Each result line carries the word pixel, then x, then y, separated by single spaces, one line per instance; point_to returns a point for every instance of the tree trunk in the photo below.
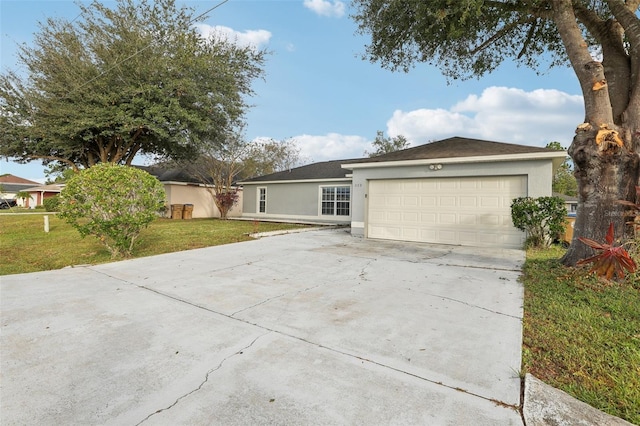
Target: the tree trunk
pixel 606 173
pixel 604 150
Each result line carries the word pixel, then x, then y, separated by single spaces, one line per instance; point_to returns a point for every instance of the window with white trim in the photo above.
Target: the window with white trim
pixel 262 200
pixel 335 200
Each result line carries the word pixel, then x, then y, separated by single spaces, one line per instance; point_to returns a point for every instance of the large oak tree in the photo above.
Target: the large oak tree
pixel 599 39
pixel 115 83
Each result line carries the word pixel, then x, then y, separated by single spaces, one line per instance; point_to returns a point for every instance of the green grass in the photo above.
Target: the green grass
pixel 582 334
pixel 25 247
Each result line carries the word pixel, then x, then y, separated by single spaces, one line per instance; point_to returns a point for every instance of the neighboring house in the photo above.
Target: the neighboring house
pixel 10 185
pixel 315 193
pixel 40 193
pixel 570 202
pixel 454 191
pixel 181 188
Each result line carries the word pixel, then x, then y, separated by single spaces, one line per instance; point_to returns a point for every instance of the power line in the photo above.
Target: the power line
pixel 136 53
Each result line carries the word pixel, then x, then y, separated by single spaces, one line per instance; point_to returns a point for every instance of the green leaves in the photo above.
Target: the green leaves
pixel 464 38
pixel 543 218
pixel 117 82
pixel 385 145
pixel 113 203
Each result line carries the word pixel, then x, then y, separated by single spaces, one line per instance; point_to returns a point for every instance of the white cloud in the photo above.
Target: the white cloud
pixel 332 146
pixel 500 114
pixel 330 8
pixel 255 38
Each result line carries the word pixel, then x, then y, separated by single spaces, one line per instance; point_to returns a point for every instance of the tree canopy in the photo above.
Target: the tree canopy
pixel 270 156
pixel 563 180
pixel 599 39
pixel 473 37
pixel 384 145
pixel 114 83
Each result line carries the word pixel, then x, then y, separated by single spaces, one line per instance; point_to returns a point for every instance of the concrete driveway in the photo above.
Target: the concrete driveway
pixel 313 328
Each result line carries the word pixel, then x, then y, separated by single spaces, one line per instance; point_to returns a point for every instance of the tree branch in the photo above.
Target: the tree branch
pixel 587 70
pixel 496 36
pixel 530 33
pixel 53 157
pixel 627 18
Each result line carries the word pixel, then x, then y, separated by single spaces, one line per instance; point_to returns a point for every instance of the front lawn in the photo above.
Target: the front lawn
pixel 582 334
pixel 25 247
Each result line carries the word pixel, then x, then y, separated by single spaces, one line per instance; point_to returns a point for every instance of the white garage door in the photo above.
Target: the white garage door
pixel 473 211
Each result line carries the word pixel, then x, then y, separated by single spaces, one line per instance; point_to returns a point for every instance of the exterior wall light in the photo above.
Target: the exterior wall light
pixel 435 166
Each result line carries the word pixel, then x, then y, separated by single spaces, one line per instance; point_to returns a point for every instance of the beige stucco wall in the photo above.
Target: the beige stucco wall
pixel 203 205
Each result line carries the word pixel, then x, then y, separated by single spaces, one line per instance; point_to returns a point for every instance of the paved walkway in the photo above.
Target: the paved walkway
pixel 311 328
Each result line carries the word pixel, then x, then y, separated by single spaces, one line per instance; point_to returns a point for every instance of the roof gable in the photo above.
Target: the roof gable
pixel 455 147
pixel 9 178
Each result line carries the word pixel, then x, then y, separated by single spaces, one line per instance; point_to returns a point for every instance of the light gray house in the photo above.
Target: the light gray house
pixel 315 193
pixel 570 202
pixel 454 191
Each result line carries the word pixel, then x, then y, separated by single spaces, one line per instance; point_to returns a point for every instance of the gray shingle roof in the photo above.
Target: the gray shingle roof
pixel 14 187
pixel 455 147
pixel 164 174
pixel 323 170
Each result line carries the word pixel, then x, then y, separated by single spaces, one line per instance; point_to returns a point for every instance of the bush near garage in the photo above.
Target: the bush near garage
pixel 542 218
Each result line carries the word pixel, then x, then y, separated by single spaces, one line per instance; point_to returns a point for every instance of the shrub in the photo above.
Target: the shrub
pixel 51 204
pixel 542 218
pixel 225 200
pixel 113 203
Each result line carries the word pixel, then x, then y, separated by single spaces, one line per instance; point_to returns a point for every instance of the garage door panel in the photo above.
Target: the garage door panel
pixel 450 185
pixel 386 232
pixel 410 234
pixel 468 219
pixel 491 220
pixel 409 217
pixel 490 202
pixel 468 202
pixel 410 201
pixel 447 219
pixel 447 236
pixel 472 211
pixel 411 186
pixel 447 201
pixel 428 218
pixel 428 185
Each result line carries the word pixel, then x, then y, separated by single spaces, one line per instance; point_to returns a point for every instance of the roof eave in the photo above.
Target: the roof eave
pixel 460 160
pixel 264 182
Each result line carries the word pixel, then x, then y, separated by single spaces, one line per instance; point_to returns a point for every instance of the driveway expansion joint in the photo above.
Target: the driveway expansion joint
pixel 206 379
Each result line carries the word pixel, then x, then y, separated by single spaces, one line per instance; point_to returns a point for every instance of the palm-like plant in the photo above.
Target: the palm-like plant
pixel 611 260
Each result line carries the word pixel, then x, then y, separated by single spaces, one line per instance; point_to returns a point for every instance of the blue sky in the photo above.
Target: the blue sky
pixel 319 91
